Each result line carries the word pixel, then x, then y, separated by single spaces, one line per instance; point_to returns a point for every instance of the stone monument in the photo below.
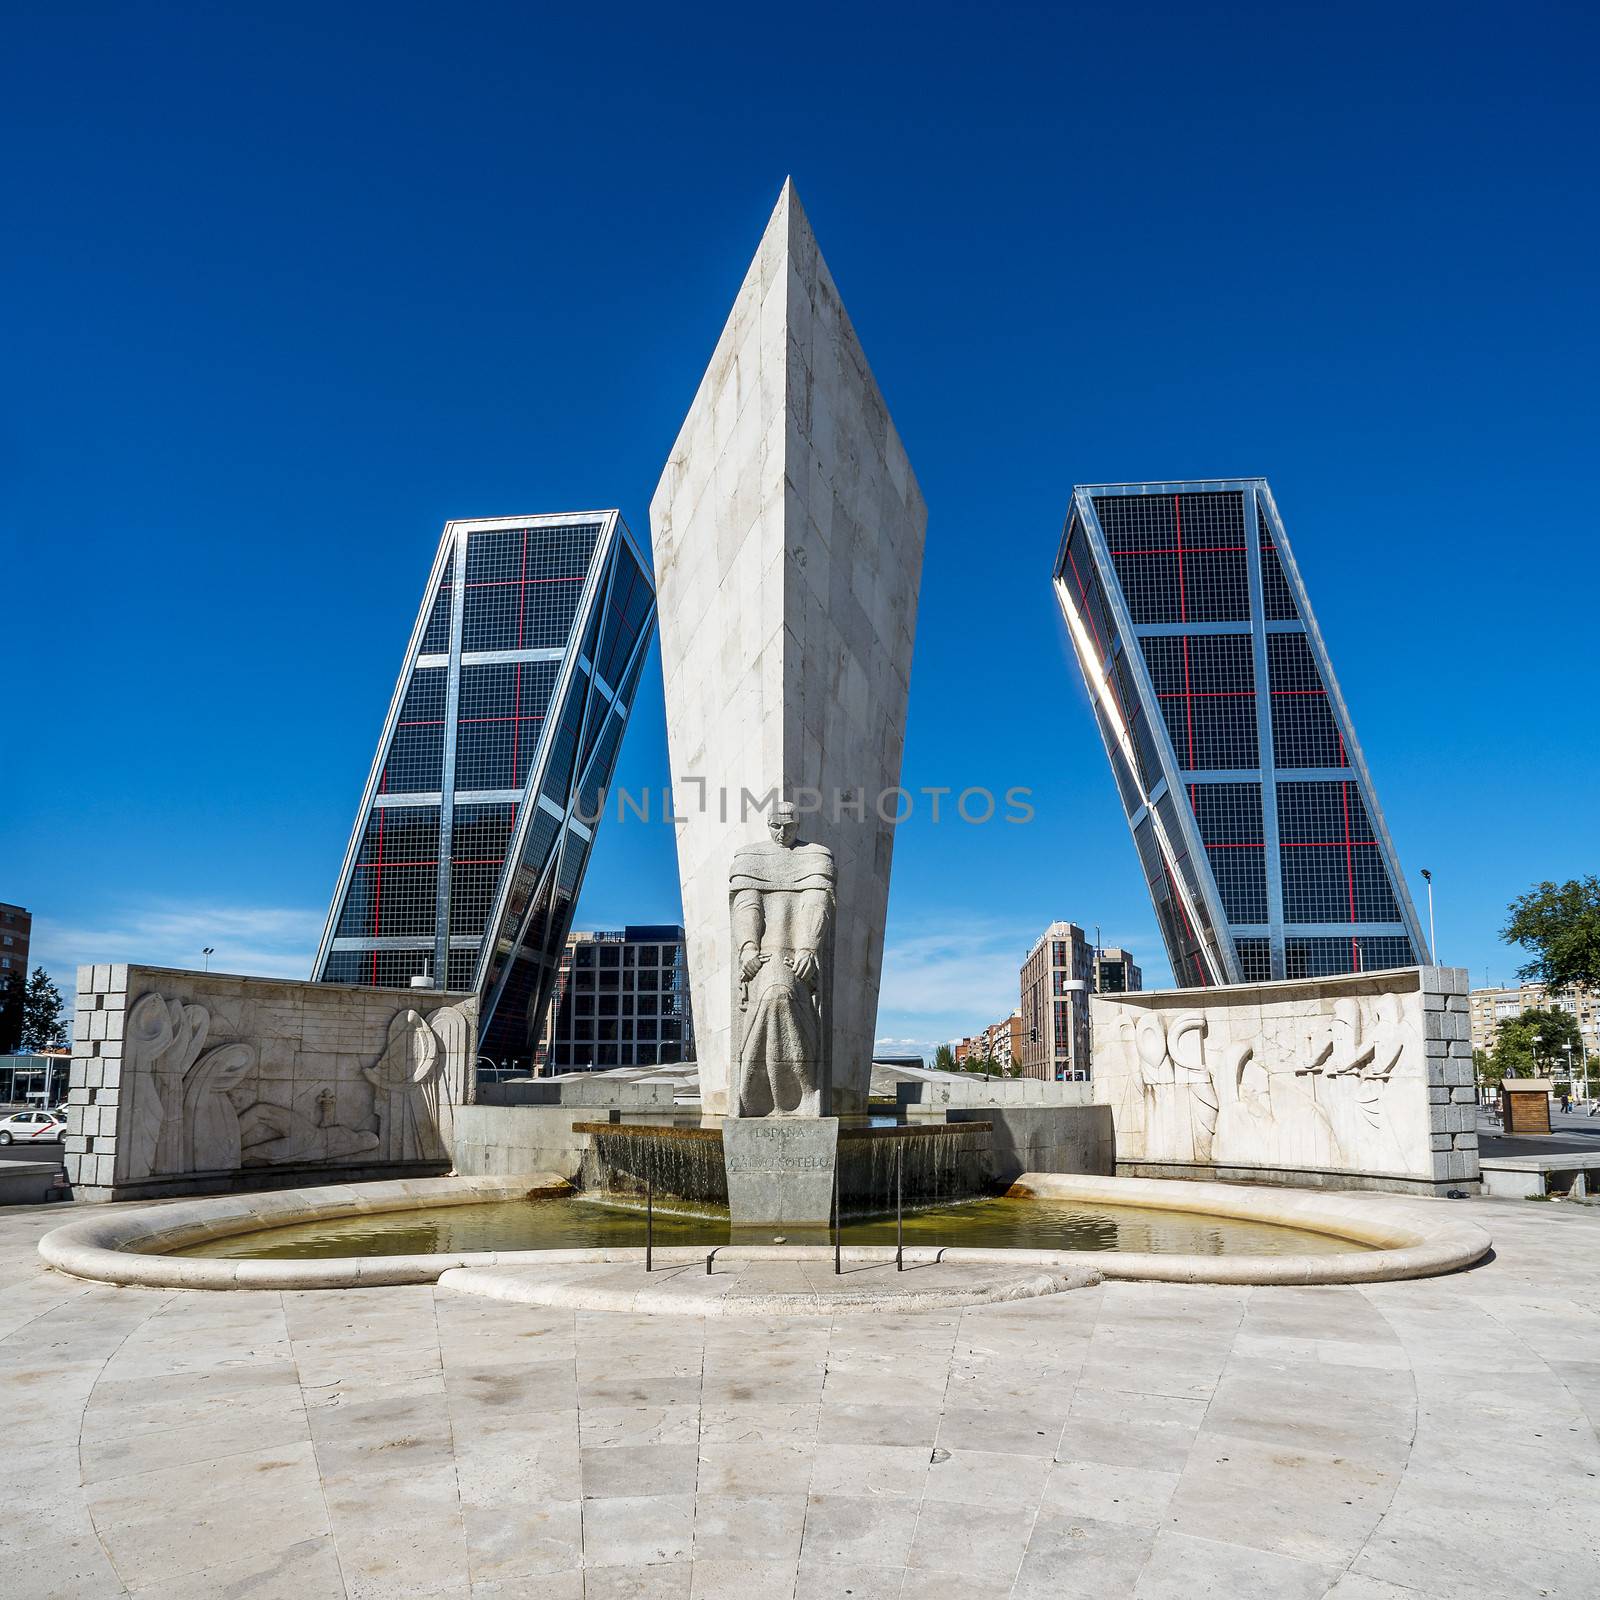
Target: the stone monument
pixel 788 533
pixel 780 1146
pixel 781 905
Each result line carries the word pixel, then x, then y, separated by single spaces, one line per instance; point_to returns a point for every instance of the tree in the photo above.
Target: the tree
pixel 1560 924
pixel 44 1015
pixel 944 1059
pixel 1517 1055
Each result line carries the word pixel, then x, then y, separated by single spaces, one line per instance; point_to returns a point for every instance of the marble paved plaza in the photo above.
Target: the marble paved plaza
pixel 1405 1440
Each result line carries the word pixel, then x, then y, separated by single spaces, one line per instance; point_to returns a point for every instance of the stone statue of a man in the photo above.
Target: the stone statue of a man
pixel 782 908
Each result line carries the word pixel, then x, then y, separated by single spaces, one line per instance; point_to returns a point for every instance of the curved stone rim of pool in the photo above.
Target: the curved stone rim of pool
pixel 770 1283
pixel 1407 1238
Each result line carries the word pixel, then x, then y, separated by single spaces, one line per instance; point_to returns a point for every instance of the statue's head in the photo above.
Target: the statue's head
pixel 784 823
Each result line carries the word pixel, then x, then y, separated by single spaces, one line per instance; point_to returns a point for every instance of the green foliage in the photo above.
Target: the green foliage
pixel 1560 924
pixel 990 1067
pixel 1516 1055
pixel 44 1014
pixel 944 1059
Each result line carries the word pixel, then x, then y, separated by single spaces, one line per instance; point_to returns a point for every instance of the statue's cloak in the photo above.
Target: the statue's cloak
pixel 770 868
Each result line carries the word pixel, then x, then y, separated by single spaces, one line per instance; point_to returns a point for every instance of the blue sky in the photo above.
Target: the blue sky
pixel 289 286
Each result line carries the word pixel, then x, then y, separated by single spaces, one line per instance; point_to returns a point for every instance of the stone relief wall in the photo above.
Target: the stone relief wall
pixel 1363 1075
pixel 182 1077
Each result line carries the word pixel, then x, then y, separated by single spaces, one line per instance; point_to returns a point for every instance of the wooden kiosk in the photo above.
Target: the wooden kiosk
pixel 1525 1105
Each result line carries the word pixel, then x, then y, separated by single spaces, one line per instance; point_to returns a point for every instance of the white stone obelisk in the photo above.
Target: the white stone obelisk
pixel 788 533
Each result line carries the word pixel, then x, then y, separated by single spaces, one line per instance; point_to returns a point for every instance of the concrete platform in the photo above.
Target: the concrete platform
pixel 26 1183
pixel 1530 1177
pixel 1431 1439
pixel 781 1287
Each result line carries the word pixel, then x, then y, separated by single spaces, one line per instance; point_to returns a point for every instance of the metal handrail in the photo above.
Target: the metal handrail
pixel 899 1227
pixel 836 1268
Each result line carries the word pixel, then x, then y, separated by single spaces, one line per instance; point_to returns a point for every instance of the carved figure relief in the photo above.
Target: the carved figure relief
pixel 406 1084
pixel 272 1135
pixel 196 1110
pixel 1179 1100
pixel 1307 1093
pixel 781 905
pixel 182 1119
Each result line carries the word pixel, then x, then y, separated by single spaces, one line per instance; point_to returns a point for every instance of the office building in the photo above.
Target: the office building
pixel 480 809
pixel 1000 1042
pixel 1115 972
pixel 1253 813
pixel 16 932
pixel 1054 1024
pixel 1490 1007
pixel 621 1000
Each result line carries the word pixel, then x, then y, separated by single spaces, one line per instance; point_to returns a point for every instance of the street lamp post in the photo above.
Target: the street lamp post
pixel 1433 948
pixel 208 952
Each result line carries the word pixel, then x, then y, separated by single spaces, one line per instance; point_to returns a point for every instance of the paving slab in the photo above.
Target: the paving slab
pixel 1427 1439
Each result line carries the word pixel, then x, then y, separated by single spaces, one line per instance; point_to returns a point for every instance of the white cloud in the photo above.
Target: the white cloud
pixel 257 941
pixel 945 982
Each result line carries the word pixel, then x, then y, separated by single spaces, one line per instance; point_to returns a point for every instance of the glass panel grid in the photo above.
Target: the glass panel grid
pixel 415 763
pixel 1255 960
pixel 1333 869
pixel 1229 819
pixel 1276 595
pixel 501 711
pixel 477 854
pixel 1326 957
pixel 393 887
pixel 1304 733
pixel 392 969
pixel 436 633
pixel 522 585
pixel 1205 684
pixel 1179 557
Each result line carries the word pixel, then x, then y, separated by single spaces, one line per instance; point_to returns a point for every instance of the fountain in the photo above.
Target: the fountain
pixel 780 1159
pixel 934 1162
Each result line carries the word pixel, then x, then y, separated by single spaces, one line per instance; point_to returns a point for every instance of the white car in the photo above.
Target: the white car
pixel 32 1127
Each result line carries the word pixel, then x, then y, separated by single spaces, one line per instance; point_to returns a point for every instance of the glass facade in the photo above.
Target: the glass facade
pixel 1252 811
pixel 622 1000
pixel 504 727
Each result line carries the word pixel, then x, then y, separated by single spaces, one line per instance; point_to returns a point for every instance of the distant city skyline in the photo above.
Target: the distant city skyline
pixel 258 374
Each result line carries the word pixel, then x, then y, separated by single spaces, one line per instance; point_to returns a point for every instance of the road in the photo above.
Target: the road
pixel 53 1151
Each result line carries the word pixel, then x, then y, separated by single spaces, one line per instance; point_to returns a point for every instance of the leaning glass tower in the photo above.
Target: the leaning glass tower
pixel 472 839
pixel 1252 810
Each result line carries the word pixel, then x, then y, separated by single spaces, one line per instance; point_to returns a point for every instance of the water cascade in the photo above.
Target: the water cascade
pixel 939 1162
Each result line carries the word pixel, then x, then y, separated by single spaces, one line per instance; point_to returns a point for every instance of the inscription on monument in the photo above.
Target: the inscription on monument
pixel 771 1149
pixel 780 1171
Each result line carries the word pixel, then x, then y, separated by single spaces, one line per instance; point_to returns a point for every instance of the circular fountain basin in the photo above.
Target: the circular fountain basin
pixel 1358 1237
